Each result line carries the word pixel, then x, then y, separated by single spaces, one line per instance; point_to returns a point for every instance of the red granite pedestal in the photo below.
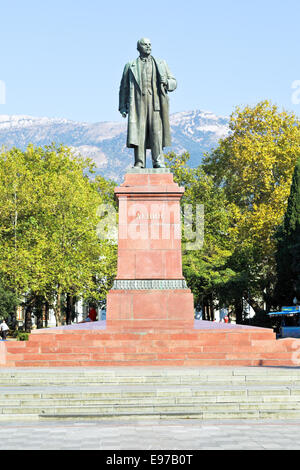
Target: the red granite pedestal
pixel 150 314
pixel 149 290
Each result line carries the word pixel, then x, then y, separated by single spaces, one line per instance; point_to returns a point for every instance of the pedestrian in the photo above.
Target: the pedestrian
pixel 91 317
pixel 92 314
pixel 4 330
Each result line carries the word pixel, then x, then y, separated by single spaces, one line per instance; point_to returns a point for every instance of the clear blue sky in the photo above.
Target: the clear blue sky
pixel 64 58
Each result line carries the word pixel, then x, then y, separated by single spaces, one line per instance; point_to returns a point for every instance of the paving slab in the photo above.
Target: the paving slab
pixel 158 435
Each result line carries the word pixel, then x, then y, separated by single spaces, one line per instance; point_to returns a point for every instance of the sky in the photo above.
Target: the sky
pixel 65 58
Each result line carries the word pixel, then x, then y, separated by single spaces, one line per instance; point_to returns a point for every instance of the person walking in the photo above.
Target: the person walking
pixel 4 330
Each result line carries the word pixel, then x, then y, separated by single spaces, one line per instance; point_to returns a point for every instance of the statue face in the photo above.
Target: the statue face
pixel 145 46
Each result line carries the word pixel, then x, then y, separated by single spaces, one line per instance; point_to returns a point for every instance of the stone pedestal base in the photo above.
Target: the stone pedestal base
pixel 149 292
pixel 208 344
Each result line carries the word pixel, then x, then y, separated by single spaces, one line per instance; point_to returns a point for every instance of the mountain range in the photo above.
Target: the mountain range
pixel 105 142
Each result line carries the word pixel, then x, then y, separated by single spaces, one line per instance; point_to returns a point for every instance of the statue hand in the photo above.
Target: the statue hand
pixel 124 114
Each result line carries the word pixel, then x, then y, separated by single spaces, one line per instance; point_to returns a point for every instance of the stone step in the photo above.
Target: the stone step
pixel 218 415
pixel 151 389
pixel 204 415
pixel 152 372
pixel 157 333
pixel 147 381
pixel 96 352
pixel 21 417
pixel 202 348
pixel 147 347
pixel 143 393
pixel 170 360
pixel 100 339
pixel 140 393
pixel 186 408
pixel 219 379
pixel 149 375
pixel 126 356
pixel 262 402
pixel 175 361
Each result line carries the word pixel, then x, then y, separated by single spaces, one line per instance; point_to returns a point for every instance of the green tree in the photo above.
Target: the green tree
pixel 48 220
pixel 8 302
pixel 206 268
pixel 254 166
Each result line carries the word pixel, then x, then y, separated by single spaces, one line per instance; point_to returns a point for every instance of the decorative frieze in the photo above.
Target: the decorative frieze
pixel 148 171
pixel 147 284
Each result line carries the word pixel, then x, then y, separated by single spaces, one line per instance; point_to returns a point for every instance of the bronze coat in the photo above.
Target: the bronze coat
pixel 130 99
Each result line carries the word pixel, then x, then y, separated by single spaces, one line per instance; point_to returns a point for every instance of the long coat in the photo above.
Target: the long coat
pixel 130 99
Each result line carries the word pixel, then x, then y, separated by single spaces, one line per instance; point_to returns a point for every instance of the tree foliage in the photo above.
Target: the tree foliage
pixel 288 248
pixel 48 219
pixel 244 185
pixel 254 166
pixel 206 269
pixel 8 301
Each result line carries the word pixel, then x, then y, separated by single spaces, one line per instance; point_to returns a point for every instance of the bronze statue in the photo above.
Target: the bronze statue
pixel 144 89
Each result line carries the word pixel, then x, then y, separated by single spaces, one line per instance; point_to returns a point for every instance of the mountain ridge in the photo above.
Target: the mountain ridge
pixel 105 142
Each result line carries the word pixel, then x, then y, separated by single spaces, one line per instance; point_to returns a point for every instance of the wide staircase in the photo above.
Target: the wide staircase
pixel 149 393
pixel 92 348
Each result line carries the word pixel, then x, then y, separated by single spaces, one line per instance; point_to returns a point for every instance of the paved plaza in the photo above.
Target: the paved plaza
pixel 101 409
pixel 150 435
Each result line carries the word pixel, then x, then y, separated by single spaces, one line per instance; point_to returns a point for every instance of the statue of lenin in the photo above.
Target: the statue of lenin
pixel 143 96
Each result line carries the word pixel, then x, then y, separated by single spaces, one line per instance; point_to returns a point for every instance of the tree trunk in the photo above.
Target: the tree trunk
pixel 57 311
pixel 13 320
pixel 46 313
pixel 28 313
pixel 238 308
pixel 69 309
pixel 39 304
pixel 255 305
pixel 204 310
pixel 211 308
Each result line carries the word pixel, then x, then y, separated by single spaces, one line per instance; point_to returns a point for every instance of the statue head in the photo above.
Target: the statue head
pixel 144 47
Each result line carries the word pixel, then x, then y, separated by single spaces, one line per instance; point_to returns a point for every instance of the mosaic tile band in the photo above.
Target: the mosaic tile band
pixel 154 284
